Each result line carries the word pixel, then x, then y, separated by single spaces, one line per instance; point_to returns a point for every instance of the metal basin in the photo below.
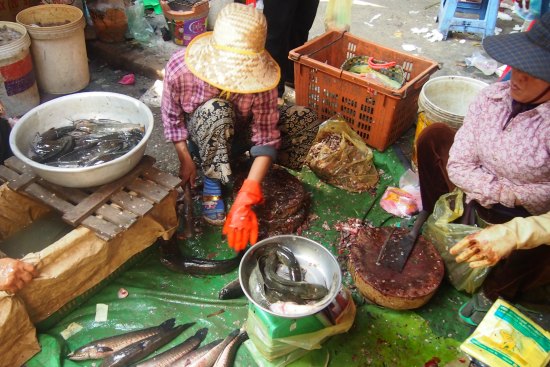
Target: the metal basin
pixel 90 105
pixel 319 264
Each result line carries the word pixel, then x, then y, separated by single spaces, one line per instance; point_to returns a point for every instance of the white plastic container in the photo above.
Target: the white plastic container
pixel 58 47
pixel 90 105
pixel 18 90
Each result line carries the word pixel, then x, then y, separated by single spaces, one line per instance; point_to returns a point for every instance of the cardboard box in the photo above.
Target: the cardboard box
pixel 67 268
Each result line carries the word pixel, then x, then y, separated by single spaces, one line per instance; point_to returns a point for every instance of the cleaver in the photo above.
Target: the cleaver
pixel 396 251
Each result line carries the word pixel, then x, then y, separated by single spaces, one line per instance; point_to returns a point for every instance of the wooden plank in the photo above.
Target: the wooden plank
pixel 136 205
pixel 48 198
pixel 122 218
pixel 103 229
pixel 161 178
pixel 103 193
pixel 17 165
pixel 70 193
pixel 148 189
pixel 15 180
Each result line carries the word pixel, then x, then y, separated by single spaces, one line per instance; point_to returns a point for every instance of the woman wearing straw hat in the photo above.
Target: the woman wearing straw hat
pixel 500 158
pixel 220 98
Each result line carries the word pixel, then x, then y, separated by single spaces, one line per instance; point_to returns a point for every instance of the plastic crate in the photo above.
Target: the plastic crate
pixel 380 115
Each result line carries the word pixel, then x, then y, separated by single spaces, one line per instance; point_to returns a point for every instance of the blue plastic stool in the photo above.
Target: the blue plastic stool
pixel 484 24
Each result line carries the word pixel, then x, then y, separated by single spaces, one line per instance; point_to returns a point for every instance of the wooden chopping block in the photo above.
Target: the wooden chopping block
pixel 412 288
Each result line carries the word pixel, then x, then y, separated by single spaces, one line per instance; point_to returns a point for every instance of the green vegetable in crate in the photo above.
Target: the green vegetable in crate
pixel 387 73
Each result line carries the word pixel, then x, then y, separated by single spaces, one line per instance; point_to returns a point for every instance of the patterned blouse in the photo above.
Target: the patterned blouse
pixel 493 164
pixel 183 93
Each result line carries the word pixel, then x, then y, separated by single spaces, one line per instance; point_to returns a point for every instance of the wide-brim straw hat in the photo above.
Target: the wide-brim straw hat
pixel 526 51
pixel 233 57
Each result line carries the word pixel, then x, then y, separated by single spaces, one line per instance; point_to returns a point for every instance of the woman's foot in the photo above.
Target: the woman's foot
pixel 213 207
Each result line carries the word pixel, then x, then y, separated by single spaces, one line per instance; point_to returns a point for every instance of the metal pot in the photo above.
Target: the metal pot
pixel 319 266
pixel 90 105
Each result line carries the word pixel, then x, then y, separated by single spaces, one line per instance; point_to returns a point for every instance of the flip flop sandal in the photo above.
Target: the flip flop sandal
pixel 473 311
pixel 213 209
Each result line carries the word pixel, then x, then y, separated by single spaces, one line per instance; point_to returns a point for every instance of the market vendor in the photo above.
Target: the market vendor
pixel 500 158
pixel 219 101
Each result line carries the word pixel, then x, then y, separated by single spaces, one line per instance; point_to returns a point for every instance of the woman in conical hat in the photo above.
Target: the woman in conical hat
pixel 220 99
pixel 500 159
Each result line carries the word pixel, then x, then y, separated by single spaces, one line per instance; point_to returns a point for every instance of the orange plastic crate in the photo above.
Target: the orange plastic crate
pixel 380 115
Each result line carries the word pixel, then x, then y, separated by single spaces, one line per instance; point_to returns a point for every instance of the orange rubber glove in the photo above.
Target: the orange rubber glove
pixel 241 225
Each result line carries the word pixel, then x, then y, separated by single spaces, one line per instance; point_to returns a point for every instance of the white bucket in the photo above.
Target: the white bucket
pixel 18 90
pixel 447 98
pixel 58 47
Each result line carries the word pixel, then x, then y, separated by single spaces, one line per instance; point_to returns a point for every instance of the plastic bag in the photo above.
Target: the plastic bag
pixel 506 337
pixel 292 347
pixel 443 235
pixel 341 158
pixel 398 202
pixel 137 24
pixel 338 15
pixel 487 65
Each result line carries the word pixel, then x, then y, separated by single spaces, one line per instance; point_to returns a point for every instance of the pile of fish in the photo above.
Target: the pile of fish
pixel 277 281
pixel 132 347
pixel 85 143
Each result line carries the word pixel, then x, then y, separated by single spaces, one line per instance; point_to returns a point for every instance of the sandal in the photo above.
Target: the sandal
pixel 473 311
pixel 213 207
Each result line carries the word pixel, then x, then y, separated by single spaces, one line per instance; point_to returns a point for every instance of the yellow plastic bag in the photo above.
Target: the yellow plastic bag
pixel 341 158
pixel 444 234
pixel 506 337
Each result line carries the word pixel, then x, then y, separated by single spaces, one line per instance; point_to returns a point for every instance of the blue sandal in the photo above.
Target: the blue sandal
pixel 213 207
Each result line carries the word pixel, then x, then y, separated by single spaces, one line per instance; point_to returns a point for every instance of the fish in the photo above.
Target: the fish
pixel 231 290
pixel 301 289
pixel 142 348
pixel 227 357
pixel 285 256
pixel 102 348
pixel 105 126
pixel 168 357
pixel 209 358
pixel 256 285
pixel 44 150
pixel 172 257
pixel 196 354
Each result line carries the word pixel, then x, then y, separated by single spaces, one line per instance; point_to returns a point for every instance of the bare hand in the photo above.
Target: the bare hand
pixel 15 274
pixel 188 170
pixel 485 248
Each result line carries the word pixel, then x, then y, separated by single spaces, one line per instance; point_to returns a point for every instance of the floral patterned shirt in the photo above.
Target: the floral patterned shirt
pixel 495 165
pixel 183 93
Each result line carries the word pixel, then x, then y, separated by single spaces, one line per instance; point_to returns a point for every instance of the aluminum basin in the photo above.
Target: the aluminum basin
pixel 319 264
pixel 89 105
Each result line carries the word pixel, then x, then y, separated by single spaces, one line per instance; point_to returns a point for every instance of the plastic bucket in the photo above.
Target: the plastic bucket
pixel 58 47
pixel 18 90
pixel 186 25
pixel 445 99
pixel 109 19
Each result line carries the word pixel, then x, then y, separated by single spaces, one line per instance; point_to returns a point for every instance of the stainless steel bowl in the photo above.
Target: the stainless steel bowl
pixel 89 105
pixel 319 264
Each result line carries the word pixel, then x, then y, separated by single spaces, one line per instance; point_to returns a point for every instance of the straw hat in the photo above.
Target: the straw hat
pixel 526 51
pixel 233 57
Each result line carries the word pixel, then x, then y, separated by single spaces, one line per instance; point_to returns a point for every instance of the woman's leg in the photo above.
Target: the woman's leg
pixel 211 131
pixel 433 147
pixel 299 126
pixel 211 128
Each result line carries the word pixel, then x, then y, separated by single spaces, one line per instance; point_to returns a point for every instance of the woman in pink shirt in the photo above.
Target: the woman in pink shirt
pixel 220 100
pixel 500 159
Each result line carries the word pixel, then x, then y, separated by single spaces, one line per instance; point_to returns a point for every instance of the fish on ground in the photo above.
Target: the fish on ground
pixel 168 357
pixel 141 349
pixel 227 357
pixel 196 354
pixel 210 357
pixel 231 290
pixel 102 348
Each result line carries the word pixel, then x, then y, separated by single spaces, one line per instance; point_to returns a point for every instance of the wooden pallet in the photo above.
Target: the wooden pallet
pixel 108 209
